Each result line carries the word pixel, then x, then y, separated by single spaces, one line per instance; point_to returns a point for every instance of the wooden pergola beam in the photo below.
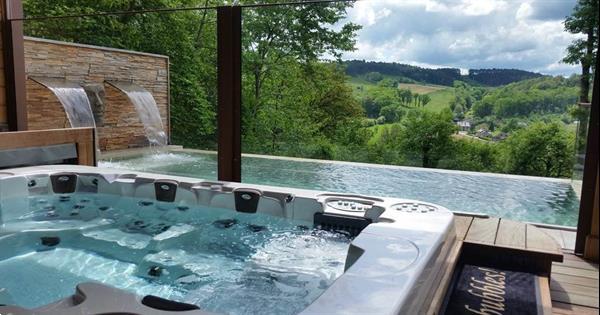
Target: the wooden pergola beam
pixel 14 64
pixel 586 223
pixel 229 78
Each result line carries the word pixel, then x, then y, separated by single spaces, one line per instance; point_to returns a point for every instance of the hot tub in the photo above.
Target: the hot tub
pixel 223 247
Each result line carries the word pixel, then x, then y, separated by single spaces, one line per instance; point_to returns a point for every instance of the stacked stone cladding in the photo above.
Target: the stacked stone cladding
pixel 119 126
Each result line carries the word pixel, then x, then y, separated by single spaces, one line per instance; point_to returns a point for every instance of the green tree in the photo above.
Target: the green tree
pixel 541 149
pixel 370 106
pixel 483 108
pixel 392 113
pixel 472 155
pixel 427 135
pixel 425 99
pixel 405 96
pixel 385 145
pixel 583 51
pixel 282 73
pixel 387 82
pixel 274 36
pixel 541 95
pixel 458 112
pixel 374 77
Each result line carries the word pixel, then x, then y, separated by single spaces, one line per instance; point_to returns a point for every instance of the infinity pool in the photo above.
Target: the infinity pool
pixel 522 198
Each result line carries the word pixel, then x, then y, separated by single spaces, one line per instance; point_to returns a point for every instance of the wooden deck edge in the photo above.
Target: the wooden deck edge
pixel 444 284
pixel 545 298
pixel 83 138
pixel 535 254
pixel 554 256
pixel 487 255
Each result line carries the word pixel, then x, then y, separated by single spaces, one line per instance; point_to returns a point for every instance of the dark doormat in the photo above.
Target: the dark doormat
pixel 490 291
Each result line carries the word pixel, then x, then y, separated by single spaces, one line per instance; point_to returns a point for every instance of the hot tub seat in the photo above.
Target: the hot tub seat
pixel 95 298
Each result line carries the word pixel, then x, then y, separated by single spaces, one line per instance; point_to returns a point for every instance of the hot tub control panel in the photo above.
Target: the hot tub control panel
pixel 414 207
pixel 348 205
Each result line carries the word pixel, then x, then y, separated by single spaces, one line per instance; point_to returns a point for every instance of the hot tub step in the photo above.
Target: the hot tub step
pixel 114 243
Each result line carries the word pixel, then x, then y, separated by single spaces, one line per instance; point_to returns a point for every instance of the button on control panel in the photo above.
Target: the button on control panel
pixel 414 207
pixel 348 205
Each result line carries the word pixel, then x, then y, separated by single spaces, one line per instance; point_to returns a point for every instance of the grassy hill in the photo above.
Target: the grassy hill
pixel 441 76
pixel 440 99
pixel 422 88
pixel 440 95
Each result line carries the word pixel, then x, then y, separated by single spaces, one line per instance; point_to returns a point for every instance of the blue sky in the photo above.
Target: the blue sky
pixel 522 34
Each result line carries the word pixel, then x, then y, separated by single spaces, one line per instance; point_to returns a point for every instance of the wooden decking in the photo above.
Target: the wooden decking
pixel 573 285
pixel 506 234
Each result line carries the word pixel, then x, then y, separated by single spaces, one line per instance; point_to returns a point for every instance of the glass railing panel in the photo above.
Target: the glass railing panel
pixel 425 110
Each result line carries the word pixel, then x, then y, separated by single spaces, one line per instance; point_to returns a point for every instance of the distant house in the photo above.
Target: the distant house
pixel 483 133
pixel 464 125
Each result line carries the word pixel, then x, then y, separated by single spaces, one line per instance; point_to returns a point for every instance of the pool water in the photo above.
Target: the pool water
pixel 529 199
pixel 218 259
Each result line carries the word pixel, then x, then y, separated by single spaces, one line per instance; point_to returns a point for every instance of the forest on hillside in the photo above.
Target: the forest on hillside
pixel 441 76
pixel 297 103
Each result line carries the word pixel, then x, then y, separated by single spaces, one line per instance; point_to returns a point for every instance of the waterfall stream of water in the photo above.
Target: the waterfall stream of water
pixel 74 100
pixel 146 107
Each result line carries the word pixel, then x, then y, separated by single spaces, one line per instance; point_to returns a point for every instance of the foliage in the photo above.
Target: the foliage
pixel 384 147
pixel 584 51
pixel 465 95
pixel 290 98
pixel 427 135
pixel 442 76
pixel 498 77
pixel 541 95
pixel 472 155
pixel 392 113
pixel 373 77
pixel 541 149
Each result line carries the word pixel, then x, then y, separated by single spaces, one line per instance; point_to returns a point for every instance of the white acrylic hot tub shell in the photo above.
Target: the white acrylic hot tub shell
pixel 395 274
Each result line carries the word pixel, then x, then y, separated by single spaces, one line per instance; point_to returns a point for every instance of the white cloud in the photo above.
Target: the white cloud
pixel 525 10
pixel 524 34
pixel 481 7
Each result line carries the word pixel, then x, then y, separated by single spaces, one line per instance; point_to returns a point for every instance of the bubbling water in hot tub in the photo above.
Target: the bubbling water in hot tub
pixel 221 260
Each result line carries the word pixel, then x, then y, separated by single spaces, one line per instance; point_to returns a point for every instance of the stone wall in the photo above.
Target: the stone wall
pixel 118 124
pixel 44 111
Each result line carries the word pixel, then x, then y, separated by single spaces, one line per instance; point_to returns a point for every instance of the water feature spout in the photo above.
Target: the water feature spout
pixel 96 95
pixel 146 107
pixel 73 99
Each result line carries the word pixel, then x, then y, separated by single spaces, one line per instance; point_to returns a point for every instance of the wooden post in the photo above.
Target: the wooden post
pixel 591 241
pixel 14 64
pixel 229 77
pixel 589 190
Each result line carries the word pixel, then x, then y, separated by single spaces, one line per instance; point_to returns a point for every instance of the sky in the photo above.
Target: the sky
pixel 465 34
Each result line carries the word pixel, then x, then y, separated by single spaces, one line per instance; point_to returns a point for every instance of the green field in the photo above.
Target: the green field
pixel 440 99
pixel 421 88
pixel 440 95
pixel 376 133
